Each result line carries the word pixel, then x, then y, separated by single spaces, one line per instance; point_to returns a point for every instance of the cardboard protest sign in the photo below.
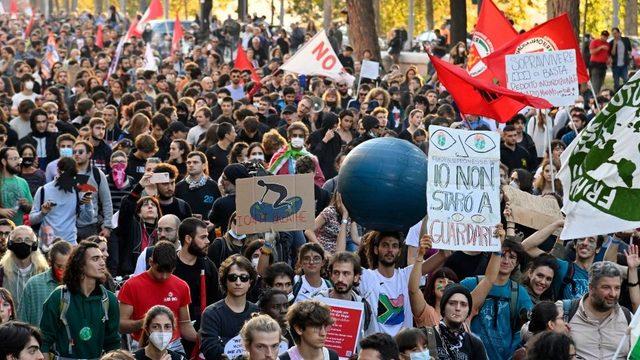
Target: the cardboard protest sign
pixel 550 75
pixel 532 211
pixel 463 189
pixel 344 334
pixel 278 202
pixel 370 69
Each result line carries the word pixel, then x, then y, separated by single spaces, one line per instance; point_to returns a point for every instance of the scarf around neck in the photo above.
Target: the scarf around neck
pixel 283 155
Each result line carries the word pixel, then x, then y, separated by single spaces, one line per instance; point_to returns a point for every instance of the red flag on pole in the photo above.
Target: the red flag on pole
pixel 492 31
pixel 154 11
pixel 477 97
pixel 555 34
pixel 13 8
pixel 27 31
pixel 178 34
pixel 99 37
pixel 242 63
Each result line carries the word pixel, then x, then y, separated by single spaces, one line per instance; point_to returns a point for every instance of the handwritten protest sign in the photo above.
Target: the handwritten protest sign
pixel 278 202
pixel 532 211
pixel 463 189
pixel 344 334
pixel 550 75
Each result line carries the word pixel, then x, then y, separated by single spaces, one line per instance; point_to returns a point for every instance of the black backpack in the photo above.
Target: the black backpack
pixel 570 307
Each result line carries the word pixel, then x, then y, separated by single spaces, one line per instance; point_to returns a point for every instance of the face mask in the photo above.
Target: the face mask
pixel 422 355
pixel 160 339
pixel 58 274
pixel 22 250
pixel 27 161
pixel 254 262
pixel 236 236
pixel 66 152
pixel 297 142
pixel 514 184
pixel 290 297
pixel 254 157
pixel 119 175
pixel 28 85
pixel 579 105
pixel 373 134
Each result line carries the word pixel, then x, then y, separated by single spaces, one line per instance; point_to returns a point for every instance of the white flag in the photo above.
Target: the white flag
pixel 317 57
pixel 150 62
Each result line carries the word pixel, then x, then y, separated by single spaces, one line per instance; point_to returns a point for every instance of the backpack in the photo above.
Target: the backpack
pixel 297 285
pixel 567 280
pixel 432 342
pixel 570 307
pixel 513 303
pixel 65 302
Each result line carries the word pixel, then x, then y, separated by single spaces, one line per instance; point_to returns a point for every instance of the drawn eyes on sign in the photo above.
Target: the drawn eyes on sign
pixel 457 217
pixel 477 218
pixel 480 143
pixel 442 140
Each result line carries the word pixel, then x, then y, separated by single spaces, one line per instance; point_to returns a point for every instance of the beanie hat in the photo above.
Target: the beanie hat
pixel 452 289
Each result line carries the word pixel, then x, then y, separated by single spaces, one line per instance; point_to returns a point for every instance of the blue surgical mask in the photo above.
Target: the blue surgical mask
pixel 422 355
pixel 66 152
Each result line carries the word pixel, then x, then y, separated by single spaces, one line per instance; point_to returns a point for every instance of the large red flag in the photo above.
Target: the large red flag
pixel 178 34
pixel 477 97
pixel 13 8
pixel 555 34
pixel 492 31
pixel 154 11
pixel 99 37
pixel 242 63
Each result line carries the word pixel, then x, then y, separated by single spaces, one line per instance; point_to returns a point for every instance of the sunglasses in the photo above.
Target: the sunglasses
pixel 233 278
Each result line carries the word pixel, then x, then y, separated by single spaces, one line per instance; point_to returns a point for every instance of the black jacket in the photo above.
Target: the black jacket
pixel 627 50
pixel 50 146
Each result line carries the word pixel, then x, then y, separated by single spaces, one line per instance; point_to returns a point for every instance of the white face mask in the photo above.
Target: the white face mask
pixel 254 262
pixel 257 157
pixel 66 152
pixel 236 236
pixel 28 85
pixel 297 142
pixel 514 184
pixel 579 105
pixel 160 339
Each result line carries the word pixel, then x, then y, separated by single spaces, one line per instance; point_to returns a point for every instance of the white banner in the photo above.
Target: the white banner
pixel 317 57
pixel 550 75
pixel 463 189
pixel 369 69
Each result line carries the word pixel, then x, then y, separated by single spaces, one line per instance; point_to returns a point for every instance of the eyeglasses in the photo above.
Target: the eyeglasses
pixel 5 233
pixel 313 260
pixel 362 94
pixel 234 277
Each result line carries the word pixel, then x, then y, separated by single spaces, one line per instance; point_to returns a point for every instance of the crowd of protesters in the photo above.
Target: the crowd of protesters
pixel 118 235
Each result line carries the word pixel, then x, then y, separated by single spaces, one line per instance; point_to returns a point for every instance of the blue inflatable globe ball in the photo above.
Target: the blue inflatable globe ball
pixel 383 183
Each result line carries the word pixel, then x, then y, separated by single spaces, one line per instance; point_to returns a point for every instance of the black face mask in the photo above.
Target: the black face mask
pixel 27 161
pixel 21 250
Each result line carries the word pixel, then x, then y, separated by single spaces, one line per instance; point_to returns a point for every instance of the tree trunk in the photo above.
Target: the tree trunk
pixel 616 13
pixel 362 31
pixel 376 10
pixel 98 4
pixel 412 21
pixel 142 4
pixel 428 5
pixel 242 10
pixel 631 18
pixel 458 10
pixel 571 7
pixel 327 7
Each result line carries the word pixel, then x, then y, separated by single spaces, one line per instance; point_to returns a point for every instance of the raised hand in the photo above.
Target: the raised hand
pixel 633 260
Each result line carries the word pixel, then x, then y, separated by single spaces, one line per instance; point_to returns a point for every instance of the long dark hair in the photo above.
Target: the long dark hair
pixel 550 345
pixel 74 272
pixel 429 291
pixel 67 179
pixel 542 313
pixel 14 337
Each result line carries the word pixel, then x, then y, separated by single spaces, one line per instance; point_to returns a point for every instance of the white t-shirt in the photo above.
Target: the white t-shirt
pixel 23 128
pixel 17 98
pixel 413 236
pixel 389 300
pixel 306 290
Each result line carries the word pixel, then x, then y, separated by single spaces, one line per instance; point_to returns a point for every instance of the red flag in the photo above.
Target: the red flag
pixel 153 12
pixel 178 34
pixel 492 31
pixel 555 34
pixel 100 37
pixel 13 7
pixel 242 63
pixel 477 97
pixel 27 31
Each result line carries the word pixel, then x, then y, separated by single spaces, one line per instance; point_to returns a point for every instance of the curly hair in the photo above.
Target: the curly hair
pixel 75 266
pixel 307 313
pixel 241 262
pixel 375 241
pixel 272 141
pixel 429 290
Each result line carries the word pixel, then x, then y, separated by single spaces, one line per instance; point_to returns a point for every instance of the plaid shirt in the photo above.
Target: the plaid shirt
pixel 37 290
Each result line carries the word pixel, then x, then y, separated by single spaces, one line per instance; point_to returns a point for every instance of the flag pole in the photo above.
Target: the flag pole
pixel 551 164
pixel 595 97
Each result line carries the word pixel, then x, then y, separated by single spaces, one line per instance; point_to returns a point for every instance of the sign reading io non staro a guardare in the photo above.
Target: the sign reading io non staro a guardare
pixel 277 202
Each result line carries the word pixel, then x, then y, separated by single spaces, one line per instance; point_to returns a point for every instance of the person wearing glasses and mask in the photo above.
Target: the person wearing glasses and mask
pixel 222 321
pixel 284 160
